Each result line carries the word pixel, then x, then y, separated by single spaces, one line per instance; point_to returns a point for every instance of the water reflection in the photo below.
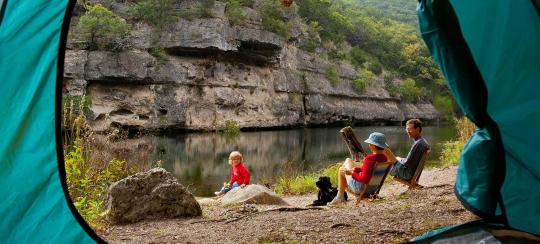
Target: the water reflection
pixel 199 160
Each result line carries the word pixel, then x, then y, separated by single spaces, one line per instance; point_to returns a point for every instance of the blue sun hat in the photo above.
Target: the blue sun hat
pixel 377 139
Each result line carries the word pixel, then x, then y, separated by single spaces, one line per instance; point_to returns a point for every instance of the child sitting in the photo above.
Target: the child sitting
pixel 239 174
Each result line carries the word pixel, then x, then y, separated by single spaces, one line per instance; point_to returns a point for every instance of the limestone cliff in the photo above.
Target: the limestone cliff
pixel 213 72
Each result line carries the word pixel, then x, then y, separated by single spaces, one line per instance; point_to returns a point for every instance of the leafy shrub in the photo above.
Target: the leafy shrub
pixel 375 67
pixel 392 89
pixel 102 28
pixel 157 13
pixel 357 57
pixel 274 20
pixel 409 91
pixel 332 75
pixel 158 52
pixel 234 12
pixel 335 54
pixel 88 183
pixel 364 78
pixel 230 128
pixel 451 152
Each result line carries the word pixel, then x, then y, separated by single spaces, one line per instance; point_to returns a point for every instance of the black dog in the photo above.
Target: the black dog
pixel 326 192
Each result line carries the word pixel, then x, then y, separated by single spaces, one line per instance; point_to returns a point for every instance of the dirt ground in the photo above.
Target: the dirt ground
pixel 397 216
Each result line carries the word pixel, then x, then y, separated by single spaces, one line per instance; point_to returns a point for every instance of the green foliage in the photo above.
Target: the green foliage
pixel 409 91
pixel 313 40
pixel 158 52
pixel 364 78
pixel 445 105
pixel 378 43
pixel 157 13
pixel 451 152
pixel 102 28
pixel 273 19
pixel 230 128
pixel 336 54
pixel 234 12
pixel 397 10
pixel 375 67
pixel 88 183
pixel 88 179
pixel 332 75
pixel 357 57
pixel 301 184
pixel 392 89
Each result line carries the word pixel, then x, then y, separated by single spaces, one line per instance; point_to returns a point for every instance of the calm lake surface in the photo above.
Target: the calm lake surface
pixel 199 160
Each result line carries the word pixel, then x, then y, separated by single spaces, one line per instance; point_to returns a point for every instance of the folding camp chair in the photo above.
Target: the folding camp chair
pixel 380 171
pixel 413 182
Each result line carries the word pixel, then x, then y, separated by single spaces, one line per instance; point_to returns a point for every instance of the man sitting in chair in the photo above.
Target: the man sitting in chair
pixel 356 178
pixel 404 168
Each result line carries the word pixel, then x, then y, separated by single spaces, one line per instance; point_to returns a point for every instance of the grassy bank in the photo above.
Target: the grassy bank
pixel 300 184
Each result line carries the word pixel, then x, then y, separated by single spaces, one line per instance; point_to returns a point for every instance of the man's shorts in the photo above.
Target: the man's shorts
pixel 401 171
pixel 354 185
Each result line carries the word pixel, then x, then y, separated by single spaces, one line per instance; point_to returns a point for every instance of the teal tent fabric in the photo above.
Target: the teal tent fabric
pixel 488 52
pixel 34 208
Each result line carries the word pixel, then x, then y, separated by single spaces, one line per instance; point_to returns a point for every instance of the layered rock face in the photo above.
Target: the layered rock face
pixel 213 72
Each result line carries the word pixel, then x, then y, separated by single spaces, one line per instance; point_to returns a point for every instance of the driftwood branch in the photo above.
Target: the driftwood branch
pixel 355 148
pixel 291 209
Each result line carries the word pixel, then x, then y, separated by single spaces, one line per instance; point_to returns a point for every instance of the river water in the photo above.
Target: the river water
pixel 199 160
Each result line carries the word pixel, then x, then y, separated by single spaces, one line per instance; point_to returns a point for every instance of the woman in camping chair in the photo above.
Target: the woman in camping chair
pixel 356 178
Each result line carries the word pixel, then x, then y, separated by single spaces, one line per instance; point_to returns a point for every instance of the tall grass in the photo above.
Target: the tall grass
pixel 451 151
pixel 296 183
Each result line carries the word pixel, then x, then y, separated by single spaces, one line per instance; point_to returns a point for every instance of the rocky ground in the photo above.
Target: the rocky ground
pixel 397 216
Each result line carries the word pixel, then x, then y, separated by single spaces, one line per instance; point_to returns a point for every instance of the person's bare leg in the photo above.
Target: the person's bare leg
pixel 342 182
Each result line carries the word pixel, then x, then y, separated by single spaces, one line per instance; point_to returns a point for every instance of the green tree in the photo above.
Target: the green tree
pixel 102 28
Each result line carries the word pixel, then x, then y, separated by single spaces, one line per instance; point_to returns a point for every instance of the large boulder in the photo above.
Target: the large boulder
pixel 254 194
pixel 154 194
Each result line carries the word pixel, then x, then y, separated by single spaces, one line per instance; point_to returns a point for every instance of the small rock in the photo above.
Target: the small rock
pixel 255 194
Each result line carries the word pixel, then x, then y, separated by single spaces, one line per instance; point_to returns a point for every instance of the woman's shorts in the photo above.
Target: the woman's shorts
pixel 354 185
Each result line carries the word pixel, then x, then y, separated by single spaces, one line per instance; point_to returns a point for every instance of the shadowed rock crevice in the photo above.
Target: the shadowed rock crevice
pixel 248 52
